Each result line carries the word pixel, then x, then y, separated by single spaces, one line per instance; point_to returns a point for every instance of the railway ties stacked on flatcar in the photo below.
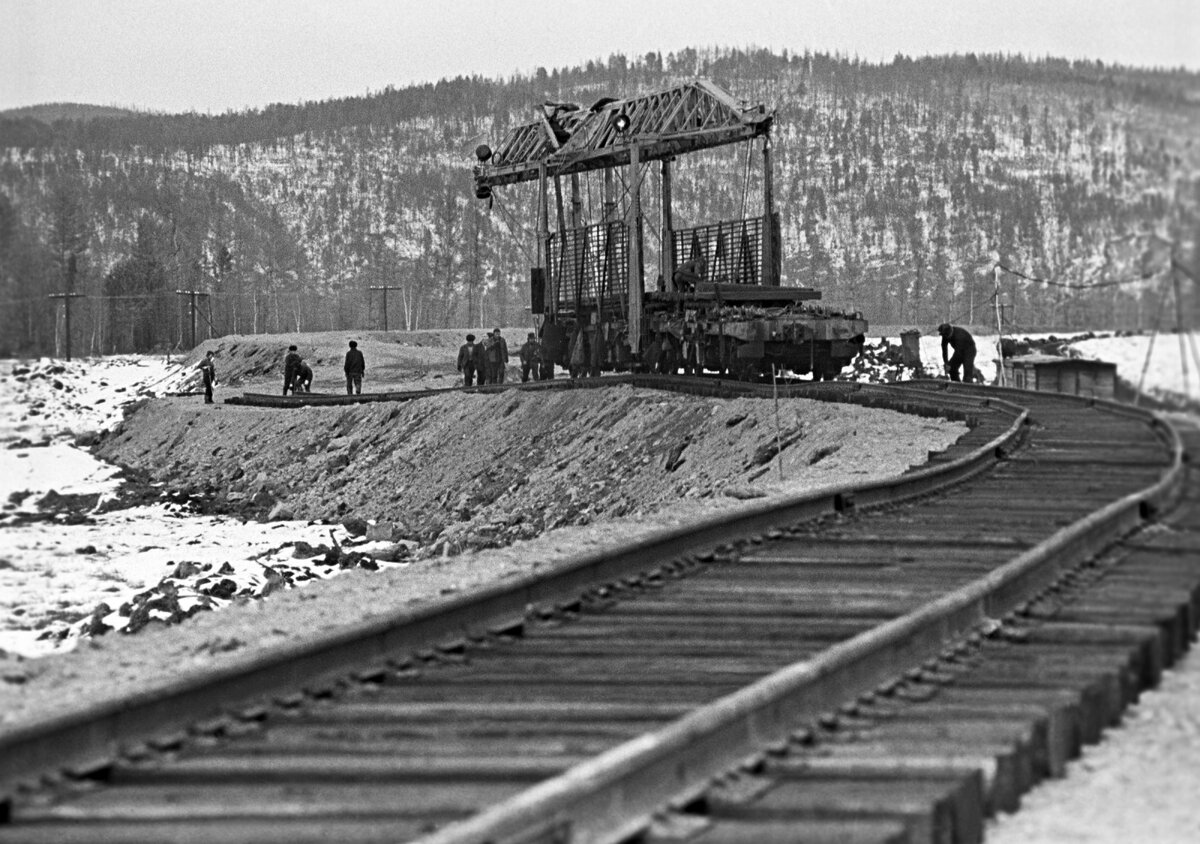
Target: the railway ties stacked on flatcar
pixel 434 737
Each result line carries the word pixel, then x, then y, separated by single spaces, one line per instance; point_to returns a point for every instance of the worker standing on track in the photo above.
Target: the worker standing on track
pixel 469 359
pixel 963 343
pixel 499 355
pixel 208 371
pixel 354 368
pixel 486 370
pixel 291 366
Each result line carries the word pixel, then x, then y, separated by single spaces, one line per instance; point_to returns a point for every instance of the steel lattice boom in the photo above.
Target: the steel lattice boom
pixel 569 139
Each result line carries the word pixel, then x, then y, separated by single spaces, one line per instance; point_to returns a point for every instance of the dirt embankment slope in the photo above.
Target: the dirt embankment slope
pixel 464 471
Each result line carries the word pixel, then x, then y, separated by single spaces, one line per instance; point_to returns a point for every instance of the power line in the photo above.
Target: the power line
pixel 192 294
pixel 385 288
pixel 1068 284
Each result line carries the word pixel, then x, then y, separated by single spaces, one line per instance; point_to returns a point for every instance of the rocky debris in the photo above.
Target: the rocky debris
pixel 86 439
pixel 56 507
pixel 65 398
pixel 1051 345
pixel 355 526
pixel 385 532
pixel 193 587
pixel 304 551
pixel 880 362
pixel 281 512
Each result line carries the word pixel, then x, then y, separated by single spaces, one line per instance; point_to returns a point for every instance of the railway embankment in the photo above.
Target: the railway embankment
pixel 464 473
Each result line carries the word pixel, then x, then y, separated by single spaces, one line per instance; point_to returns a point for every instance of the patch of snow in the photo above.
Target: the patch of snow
pixel 27 474
pixel 1170 361
pixel 55 573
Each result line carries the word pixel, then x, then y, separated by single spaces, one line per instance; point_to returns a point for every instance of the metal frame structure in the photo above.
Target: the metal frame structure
pixel 567 139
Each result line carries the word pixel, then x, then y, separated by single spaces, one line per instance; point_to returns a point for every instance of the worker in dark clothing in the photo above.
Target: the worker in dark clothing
pixel 529 358
pixel 497 358
pixel 304 377
pixel 291 365
pixel 688 274
pixel 470 361
pixel 486 370
pixel 208 371
pixel 959 339
pixel 668 363
pixel 354 368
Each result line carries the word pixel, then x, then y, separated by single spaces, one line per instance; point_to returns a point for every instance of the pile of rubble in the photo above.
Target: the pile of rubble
pixel 881 362
pixel 193 587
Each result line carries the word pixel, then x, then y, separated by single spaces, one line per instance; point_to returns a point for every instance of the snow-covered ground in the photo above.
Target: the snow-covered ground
pixel 1171 361
pixel 59 570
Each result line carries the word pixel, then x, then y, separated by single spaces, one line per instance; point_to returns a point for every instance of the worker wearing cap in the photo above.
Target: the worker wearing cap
pixel 959 339
pixel 470 361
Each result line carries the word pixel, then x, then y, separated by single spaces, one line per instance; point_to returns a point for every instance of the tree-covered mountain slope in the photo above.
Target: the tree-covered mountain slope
pixel 900 187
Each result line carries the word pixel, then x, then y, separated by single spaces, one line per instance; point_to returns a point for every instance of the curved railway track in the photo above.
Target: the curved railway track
pixel 882 662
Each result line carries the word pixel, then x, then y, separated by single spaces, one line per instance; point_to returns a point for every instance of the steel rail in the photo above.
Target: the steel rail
pixel 89 738
pixel 614 796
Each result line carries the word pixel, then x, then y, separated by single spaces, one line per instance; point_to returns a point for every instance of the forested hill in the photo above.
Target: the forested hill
pixel 900 187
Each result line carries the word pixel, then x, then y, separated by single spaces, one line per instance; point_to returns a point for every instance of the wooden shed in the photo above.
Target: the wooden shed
pixel 1052 374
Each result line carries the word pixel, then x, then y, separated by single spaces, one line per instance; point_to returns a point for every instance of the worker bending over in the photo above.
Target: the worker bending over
pixel 959 339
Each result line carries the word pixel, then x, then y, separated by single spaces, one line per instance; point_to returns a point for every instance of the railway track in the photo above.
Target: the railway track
pixel 886 662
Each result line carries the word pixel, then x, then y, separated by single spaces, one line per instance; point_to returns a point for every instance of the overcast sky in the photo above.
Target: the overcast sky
pixel 216 55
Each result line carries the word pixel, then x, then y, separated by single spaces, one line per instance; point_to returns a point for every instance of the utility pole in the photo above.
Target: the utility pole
pixel 67 297
pixel 192 294
pixel 999 327
pixel 385 288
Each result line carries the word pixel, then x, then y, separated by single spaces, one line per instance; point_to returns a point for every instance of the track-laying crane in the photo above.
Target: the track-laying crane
pixel 717 303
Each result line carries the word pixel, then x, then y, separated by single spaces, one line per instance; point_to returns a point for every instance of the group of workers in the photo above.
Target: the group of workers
pixel 298 375
pixel 488 360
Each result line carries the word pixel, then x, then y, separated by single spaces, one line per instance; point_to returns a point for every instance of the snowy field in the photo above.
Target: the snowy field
pixel 72 571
